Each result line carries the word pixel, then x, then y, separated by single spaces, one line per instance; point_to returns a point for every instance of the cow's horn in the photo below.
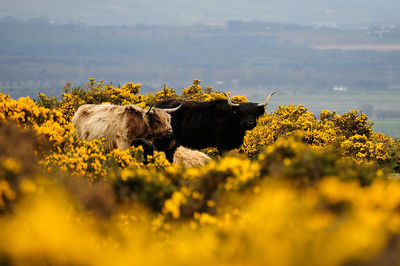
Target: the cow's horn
pixel 266 102
pixel 230 101
pixel 171 110
pixel 148 111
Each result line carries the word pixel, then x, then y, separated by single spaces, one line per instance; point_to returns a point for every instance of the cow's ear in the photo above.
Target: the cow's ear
pixel 148 118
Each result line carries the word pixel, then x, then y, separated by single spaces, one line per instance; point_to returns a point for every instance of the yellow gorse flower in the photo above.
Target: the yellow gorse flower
pixel 301 190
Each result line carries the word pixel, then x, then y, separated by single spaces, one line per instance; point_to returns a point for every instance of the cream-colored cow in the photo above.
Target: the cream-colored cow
pixel 120 125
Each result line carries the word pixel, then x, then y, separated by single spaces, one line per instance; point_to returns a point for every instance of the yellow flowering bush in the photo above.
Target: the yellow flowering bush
pixel 165 93
pixel 330 223
pixel 48 123
pixel 144 185
pixel 18 158
pixel 69 104
pixel 79 158
pixel 201 187
pixel 351 134
pixel 293 159
pixel 88 158
pixel 93 93
pixel 23 111
pixel 300 191
pixel 198 93
pixel 240 99
pixel 47 102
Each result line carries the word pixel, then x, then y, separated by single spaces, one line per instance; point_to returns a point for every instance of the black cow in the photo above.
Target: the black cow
pixel 219 123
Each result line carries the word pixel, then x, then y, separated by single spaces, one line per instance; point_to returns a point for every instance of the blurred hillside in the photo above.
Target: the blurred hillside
pixel 241 56
pixel 179 12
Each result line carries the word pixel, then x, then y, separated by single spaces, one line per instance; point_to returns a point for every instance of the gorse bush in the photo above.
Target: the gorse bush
pixel 350 134
pixel 300 190
pixel 18 162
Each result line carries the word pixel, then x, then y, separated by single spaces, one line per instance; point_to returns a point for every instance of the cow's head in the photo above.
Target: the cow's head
pixel 147 146
pixel 247 113
pixel 159 121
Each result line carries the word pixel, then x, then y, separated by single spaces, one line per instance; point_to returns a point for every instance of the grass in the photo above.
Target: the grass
pixel 388 127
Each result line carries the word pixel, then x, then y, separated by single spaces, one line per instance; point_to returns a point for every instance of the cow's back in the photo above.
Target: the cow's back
pixel 199 125
pixel 100 121
pixel 90 120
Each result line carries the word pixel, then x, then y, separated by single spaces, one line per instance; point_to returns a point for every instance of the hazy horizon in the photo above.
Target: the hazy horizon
pixel 179 12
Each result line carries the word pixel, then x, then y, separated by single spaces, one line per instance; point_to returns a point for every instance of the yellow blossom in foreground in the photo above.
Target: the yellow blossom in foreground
pixel 300 191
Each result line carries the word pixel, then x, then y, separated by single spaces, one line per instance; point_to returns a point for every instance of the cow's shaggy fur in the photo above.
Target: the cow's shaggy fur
pixel 189 158
pixel 120 125
pixel 180 156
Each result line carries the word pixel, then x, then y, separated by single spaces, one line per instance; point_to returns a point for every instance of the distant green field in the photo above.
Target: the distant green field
pixel 370 102
pixel 373 103
pixel 388 127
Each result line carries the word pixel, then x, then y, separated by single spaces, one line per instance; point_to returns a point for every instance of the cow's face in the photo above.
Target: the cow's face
pixel 247 114
pixel 159 123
